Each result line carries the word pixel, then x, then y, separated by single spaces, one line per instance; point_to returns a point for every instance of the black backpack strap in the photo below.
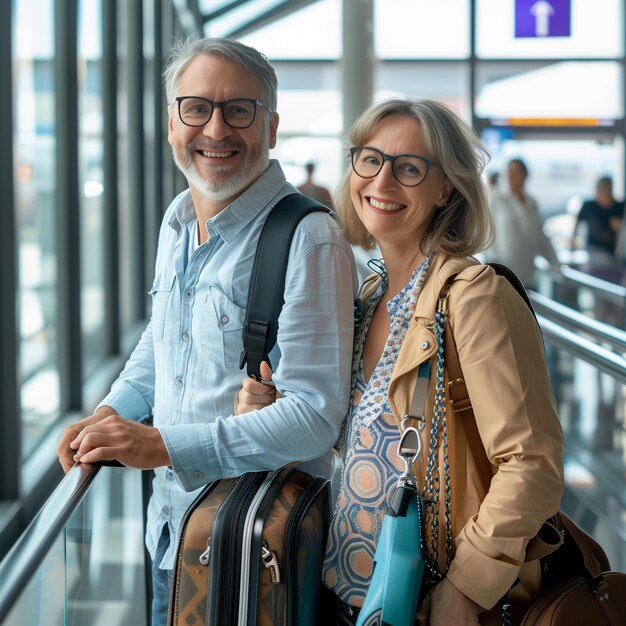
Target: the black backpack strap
pixel 511 276
pixel 267 282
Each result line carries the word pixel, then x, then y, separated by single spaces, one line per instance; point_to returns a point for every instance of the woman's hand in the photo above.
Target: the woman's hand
pixel 256 395
pixel 445 605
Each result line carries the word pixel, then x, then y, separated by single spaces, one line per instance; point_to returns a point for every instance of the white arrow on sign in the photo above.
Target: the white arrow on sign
pixel 542 10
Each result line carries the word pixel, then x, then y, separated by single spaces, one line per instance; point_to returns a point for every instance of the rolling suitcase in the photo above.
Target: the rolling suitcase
pixel 251 548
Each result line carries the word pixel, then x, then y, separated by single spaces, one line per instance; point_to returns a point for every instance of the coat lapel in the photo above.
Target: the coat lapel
pixel 420 342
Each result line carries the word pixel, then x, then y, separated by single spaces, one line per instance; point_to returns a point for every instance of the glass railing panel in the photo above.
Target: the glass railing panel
pixel 104 553
pixel 94 572
pixel 42 601
pixel 591 406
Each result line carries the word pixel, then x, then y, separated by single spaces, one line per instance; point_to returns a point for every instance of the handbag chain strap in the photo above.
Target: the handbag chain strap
pixel 438 438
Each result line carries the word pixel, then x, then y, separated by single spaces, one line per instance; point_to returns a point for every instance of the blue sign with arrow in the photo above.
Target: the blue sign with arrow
pixel 543 18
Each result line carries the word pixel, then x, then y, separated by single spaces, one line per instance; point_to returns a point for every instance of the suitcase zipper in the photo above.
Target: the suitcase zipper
pixel 206 555
pixel 249 616
pixel 224 592
pixel 246 556
pixel 270 562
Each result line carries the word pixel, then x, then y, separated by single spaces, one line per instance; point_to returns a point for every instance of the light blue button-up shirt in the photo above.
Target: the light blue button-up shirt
pixel 185 368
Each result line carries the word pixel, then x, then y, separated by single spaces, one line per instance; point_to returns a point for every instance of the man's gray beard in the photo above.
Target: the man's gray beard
pixel 224 189
pixel 250 169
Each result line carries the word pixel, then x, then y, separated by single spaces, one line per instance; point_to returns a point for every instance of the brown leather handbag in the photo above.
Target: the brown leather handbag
pixel 581 589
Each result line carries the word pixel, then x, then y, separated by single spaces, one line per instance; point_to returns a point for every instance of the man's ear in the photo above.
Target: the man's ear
pixel 273 128
pixel 170 124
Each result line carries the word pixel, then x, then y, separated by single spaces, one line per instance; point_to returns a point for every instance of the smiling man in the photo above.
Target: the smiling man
pixel 185 369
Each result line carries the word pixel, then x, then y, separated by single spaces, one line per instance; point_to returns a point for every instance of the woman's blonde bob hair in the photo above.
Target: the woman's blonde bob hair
pixel 464 225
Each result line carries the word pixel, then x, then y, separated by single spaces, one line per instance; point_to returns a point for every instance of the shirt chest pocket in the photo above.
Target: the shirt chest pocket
pixel 161 293
pixel 223 326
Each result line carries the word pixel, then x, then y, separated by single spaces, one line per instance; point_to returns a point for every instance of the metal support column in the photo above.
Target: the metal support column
pixel 357 66
pixel 111 179
pixel 10 447
pixel 68 203
pixel 136 155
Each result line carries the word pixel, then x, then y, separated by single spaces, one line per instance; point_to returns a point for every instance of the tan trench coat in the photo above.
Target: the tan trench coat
pixel 499 499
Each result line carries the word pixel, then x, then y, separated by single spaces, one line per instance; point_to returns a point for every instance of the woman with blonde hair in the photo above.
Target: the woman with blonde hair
pixel 414 188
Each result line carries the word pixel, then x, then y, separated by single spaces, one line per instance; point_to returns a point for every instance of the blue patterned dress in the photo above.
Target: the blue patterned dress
pixel 368 445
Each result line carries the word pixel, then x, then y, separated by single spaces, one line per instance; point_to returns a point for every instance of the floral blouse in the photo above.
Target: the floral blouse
pixel 368 444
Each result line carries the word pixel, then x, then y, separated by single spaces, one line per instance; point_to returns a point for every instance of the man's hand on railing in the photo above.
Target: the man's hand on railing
pixel 65 451
pixel 106 436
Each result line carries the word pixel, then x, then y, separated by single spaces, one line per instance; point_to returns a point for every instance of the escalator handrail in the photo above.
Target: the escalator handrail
pixel 576 321
pixel 23 559
pixel 602 358
pixel 575 278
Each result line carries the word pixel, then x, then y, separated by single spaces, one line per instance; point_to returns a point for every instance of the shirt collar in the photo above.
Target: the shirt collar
pixel 241 211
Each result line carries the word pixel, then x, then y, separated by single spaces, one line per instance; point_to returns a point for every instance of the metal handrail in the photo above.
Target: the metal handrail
pixel 23 559
pixel 575 278
pixel 577 321
pixel 602 358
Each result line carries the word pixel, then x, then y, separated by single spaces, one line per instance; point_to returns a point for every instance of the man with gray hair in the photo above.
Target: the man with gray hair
pixel 185 369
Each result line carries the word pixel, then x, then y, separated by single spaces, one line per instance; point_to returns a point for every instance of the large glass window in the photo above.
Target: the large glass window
pixel 566 29
pixel 313 32
pixel 309 103
pixel 35 160
pixel 91 178
pixel 421 29
pixel 587 93
pixel 448 82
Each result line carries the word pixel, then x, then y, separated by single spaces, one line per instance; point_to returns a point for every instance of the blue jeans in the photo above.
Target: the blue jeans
pixel 161 581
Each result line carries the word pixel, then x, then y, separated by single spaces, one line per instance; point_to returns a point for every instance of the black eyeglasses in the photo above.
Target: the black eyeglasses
pixel 237 112
pixel 408 169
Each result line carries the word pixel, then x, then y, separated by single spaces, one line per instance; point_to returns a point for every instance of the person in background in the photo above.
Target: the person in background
pixel 597 226
pixel 492 182
pixel 519 231
pixel 414 187
pixel 317 192
pixel 222 123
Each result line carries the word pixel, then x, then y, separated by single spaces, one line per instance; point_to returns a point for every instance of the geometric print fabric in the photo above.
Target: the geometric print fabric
pixel 368 445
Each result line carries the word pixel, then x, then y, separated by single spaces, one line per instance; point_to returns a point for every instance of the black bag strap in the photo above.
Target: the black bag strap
pixel 267 282
pixel 511 276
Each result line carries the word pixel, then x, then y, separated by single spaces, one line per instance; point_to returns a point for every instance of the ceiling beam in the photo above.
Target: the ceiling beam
pixel 282 10
pixel 235 4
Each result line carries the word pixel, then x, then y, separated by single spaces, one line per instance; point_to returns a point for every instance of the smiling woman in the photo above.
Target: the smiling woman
pixel 414 188
pixel 431 131
pixel 396 215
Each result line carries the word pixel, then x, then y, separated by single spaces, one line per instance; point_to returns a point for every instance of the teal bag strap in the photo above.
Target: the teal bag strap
pixel 394 592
